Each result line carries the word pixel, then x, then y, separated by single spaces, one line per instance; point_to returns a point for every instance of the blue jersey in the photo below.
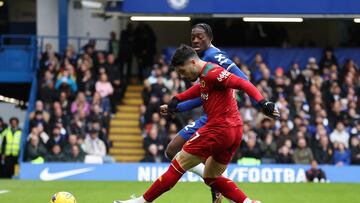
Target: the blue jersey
pixel 214 55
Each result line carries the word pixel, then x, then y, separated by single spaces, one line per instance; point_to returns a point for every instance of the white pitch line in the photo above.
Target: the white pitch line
pixel 4 191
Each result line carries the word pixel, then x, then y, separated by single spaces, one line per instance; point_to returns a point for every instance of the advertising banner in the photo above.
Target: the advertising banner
pixel 151 171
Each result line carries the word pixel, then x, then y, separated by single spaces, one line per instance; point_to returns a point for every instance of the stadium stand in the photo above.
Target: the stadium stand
pixel 319 106
pixel 85 109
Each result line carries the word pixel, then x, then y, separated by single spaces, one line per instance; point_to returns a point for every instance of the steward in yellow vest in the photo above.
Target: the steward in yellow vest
pixel 10 147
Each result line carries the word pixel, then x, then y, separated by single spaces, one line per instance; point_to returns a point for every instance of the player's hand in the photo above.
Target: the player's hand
pixel 172 106
pixel 164 110
pixel 269 109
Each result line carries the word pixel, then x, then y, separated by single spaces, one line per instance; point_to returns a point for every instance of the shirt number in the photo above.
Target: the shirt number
pixel 190 126
pixel 221 59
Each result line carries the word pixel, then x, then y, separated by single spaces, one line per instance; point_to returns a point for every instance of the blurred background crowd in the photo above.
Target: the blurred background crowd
pixel 319 107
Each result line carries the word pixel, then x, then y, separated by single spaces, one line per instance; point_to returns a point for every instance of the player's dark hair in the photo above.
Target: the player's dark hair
pixel 206 28
pixel 181 55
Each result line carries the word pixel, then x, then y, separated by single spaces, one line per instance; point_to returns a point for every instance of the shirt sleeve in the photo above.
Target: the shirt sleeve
pixel 223 78
pixel 190 93
pixel 188 105
pixel 225 62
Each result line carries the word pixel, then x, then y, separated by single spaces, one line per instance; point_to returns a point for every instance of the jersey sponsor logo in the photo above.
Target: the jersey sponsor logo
pixel 202 83
pixel 178 4
pixel 221 59
pixel 204 96
pixel 223 75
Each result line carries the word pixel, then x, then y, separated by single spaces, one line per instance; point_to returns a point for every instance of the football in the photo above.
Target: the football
pixel 63 197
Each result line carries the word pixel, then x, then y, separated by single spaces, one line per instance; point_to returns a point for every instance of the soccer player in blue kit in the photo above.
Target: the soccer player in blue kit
pixel 201 41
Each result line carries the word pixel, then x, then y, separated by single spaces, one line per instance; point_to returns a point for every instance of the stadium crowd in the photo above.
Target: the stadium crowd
pixel 319 106
pixel 77 93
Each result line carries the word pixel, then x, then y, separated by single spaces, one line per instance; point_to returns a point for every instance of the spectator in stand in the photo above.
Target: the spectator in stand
pixel 70 55
pixel 56 154
pixel 248 112
pixel 268 149
pixel 38 120
pixel 93 145
pixel 174 84
pixel 78 124
pixel 295 73
pixel 265 127
pixel 47 93
pixel 34 131
pixel 284 156
pixel 255 67
pixel 153 139
pixel 65 104
pixel 312 65
pixel 355 150
pixel 315 174
pixel 146 92
pixel 80 104
pixel 72 140
pixel 323 152
pixel 251 149
pixel 105 89
pixel 342 155
pixel 57 116
pixel 87 84
pixel 56 138
pixel 328 59
pixel 302 154
pixel 115 77
pixel 65 81
pixel 104 106
pixel 39 107
pixel 339 135
pixel 35 149
pixel 75 155
pixel 152 154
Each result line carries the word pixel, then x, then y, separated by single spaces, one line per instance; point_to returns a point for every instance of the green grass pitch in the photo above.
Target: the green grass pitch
pixel 106 192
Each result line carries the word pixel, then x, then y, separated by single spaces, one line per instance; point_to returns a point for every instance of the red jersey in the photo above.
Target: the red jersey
pixel 219 102
pixel 218 96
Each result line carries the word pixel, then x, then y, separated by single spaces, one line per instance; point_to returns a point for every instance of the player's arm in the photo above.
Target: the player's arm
pixel 228 80
pixel 191 93
pixel 181 107
pixel 224 61
pixel 189 104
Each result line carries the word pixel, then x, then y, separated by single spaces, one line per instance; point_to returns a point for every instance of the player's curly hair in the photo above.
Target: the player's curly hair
pixel 206 28
pixel 181 55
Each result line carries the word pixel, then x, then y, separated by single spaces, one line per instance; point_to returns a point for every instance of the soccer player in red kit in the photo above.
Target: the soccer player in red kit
pixel 215 142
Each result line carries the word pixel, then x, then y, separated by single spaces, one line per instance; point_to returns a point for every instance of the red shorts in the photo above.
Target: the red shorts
pixel 218 142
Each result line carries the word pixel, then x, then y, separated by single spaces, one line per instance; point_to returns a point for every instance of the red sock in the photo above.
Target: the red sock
pixel 164 182
pixel 227 188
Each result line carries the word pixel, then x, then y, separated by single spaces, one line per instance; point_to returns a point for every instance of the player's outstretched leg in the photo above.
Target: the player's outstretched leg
pixel 161 185
pixel 213 178
pixel 168 180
